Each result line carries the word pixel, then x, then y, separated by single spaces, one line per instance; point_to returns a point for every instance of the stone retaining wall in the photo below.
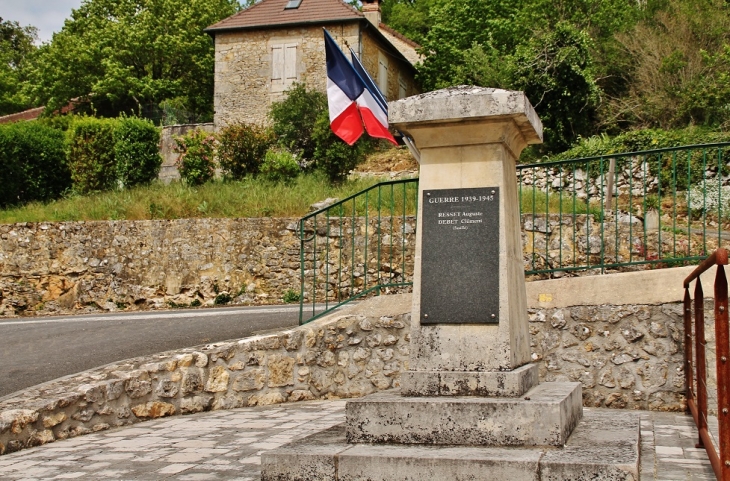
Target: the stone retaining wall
pixel 85 267
pixel 626 356
pixel 80 267
pixel 341 356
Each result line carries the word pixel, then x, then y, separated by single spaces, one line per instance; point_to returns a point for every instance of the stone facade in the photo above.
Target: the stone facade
pixel 243 67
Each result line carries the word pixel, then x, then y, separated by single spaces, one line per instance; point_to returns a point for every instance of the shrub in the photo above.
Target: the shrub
pixel 136 151
pixel 332 155
pixel 686 169
pixel 710 198
pixel 280 166
pixel 294 120
pixel 197 156
pixel 242 149
pixel 32 162
pixel 91 154
pixel 290 295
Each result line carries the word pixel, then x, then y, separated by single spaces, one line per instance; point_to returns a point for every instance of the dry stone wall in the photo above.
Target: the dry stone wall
pixel 337 357
pixel 77 267
pixel 84 267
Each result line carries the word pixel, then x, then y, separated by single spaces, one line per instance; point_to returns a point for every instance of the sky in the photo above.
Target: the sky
pixel 46 15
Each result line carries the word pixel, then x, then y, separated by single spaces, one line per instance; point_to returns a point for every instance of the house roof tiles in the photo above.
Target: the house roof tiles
pixel 269 13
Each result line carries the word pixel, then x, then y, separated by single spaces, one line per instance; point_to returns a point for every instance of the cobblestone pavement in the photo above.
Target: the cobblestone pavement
pixel 228 444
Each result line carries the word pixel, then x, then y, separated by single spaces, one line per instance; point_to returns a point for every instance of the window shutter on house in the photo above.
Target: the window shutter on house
pixel 283 65
pixel 290 63
pixel 383 75
pixel 277 65
pixel 402 88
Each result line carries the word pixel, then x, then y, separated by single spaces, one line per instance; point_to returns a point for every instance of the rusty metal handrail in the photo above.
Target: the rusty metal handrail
pixel 697 396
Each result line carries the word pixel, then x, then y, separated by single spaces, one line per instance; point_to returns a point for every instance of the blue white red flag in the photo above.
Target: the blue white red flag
pixel 372 104
pixel 351 103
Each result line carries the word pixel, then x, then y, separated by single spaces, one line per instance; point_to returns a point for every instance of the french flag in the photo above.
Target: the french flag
pixel 353 101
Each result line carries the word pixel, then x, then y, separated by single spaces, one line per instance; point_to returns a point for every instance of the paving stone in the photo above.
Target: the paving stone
pixel 230 444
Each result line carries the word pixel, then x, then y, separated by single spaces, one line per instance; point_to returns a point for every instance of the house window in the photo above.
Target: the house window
pixel 402 87
pixel 283 66
pixel 383 74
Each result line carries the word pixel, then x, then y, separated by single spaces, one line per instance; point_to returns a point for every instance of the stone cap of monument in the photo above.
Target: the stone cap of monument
pixel 465 102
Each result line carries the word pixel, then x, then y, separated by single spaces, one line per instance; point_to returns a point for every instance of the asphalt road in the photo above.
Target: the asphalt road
pixel 39 349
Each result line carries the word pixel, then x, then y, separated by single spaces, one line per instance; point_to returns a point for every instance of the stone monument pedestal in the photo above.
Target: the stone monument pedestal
pixel 470 406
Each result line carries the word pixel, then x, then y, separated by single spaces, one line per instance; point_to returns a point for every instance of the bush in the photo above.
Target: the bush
pixel 32 162
pixel 332 155
pixel 689 168
pixel 280 166
pixel 294 120
pixel 197 156
pixel 91 154
pixel 242 149
pixel 710 198
pixel 136 152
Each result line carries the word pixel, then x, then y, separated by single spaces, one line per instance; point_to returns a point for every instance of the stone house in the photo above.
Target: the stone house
pixel 262 50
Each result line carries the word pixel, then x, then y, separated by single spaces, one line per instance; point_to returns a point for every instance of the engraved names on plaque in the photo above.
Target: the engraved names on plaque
pixel 460 256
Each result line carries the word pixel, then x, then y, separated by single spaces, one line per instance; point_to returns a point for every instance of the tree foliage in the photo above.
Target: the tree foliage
pixel 16 46
pixel 294 118
pixel 131 55
pixel 679 72
pixel 586 65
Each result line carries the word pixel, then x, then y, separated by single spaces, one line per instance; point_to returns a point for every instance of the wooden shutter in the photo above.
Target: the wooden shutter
pixel 277 65
pixel 290 63
pixel 383 75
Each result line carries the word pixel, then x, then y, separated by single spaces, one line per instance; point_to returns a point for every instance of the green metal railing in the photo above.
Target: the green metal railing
pixel 656 208
pixel 362 245
pixel 627 211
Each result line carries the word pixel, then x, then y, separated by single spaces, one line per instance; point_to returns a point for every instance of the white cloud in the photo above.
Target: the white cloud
pixel 47 15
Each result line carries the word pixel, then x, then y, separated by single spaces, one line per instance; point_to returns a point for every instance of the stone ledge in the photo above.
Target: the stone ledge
pixel 545 416
pixel 604 447
pixel 513 383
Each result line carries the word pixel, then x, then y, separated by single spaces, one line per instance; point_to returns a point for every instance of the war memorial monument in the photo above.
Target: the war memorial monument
pixel 471 406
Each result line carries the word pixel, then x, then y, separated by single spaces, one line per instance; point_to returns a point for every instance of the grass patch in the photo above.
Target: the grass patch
pixel 539 202
pixel 246 198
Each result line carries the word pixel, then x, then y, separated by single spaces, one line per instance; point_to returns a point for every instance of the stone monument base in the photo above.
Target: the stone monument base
pixel 512 383
pixel 545 416
pixel 604 446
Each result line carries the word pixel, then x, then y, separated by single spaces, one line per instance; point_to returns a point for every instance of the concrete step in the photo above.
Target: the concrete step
pixel 605 446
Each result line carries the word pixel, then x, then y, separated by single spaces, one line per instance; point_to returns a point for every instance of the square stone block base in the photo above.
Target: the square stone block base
pixel 457 383
pixel 546 415
pixel 604 447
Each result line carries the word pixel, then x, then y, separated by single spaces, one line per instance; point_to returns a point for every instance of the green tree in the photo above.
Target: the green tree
pixel 409 17
pixel 294 120
pixel 131 55
pixel 560 54
pixel 16 46
pixel 678 69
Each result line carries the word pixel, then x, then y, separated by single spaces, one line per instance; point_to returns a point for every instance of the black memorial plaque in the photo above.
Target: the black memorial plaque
pixel 460 256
